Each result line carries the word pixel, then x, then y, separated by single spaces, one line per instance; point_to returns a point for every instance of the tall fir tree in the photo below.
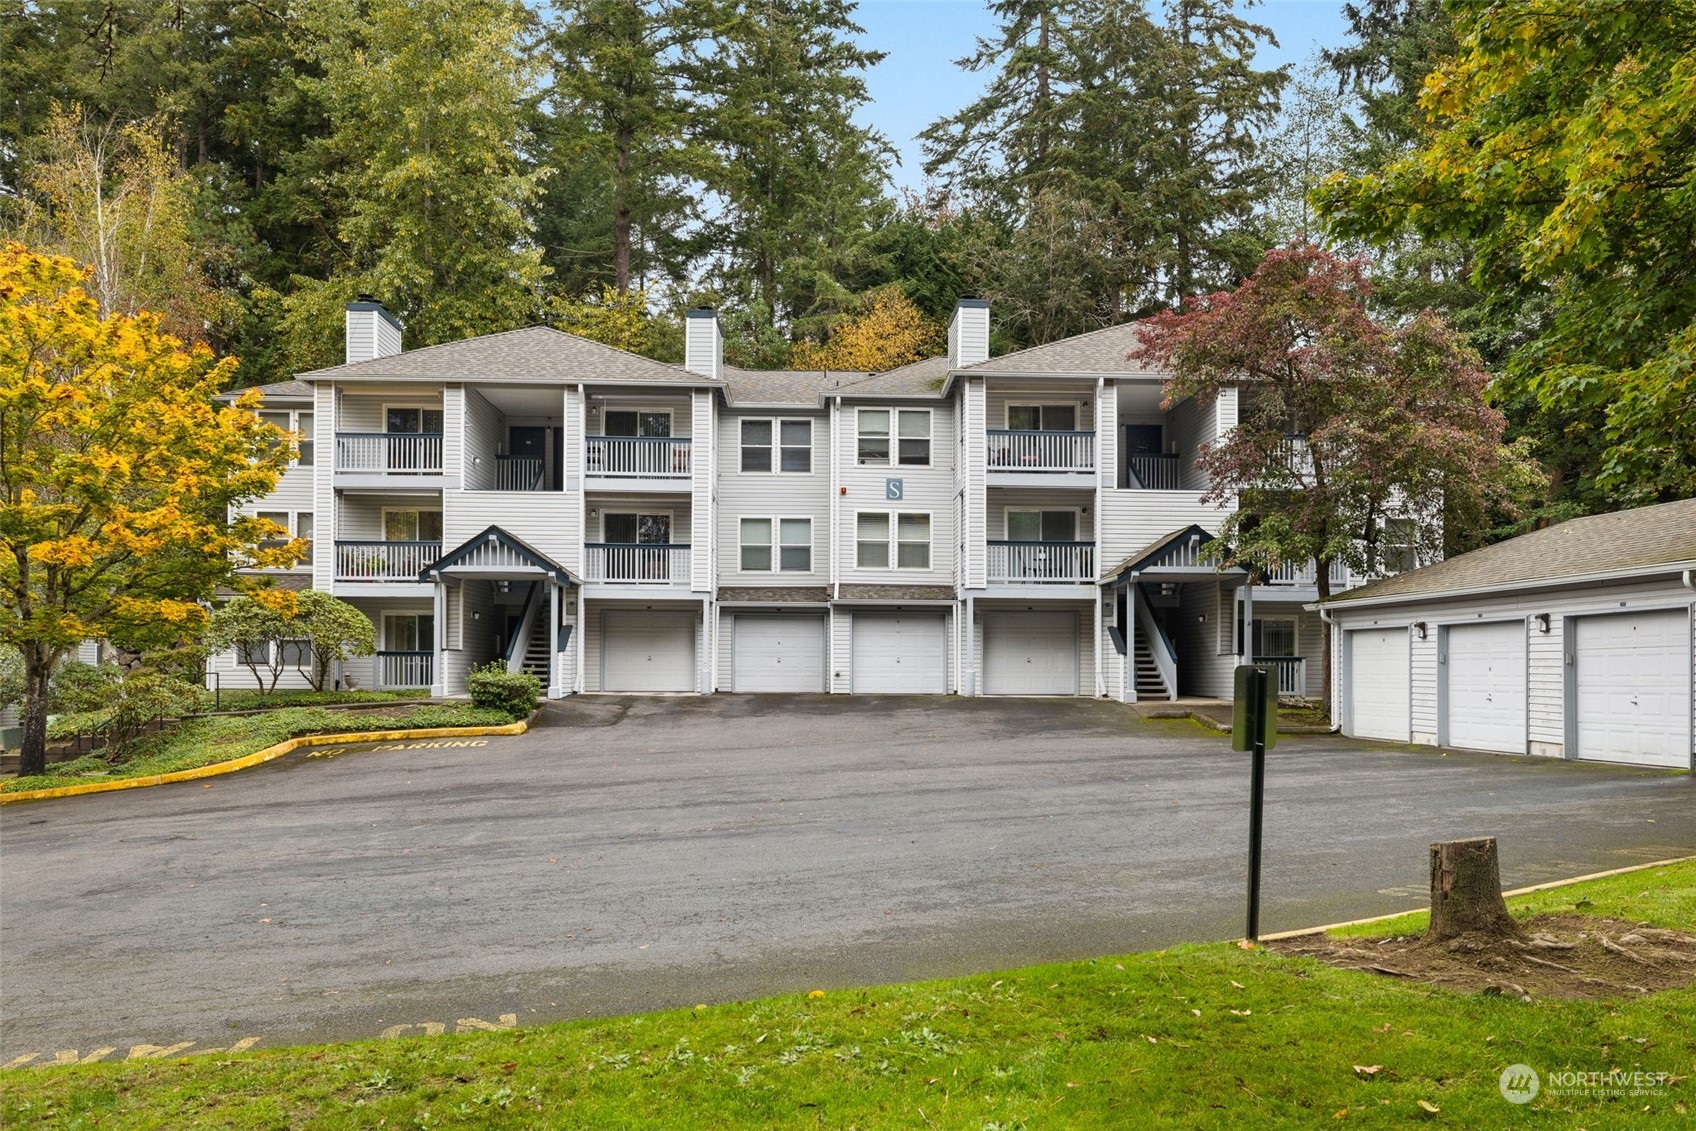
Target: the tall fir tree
pixel 796 185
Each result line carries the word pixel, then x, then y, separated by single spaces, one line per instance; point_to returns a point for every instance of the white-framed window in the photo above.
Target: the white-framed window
pixel 634 528
pixel 891 540
pixel 781 445
pixel 294 654
pixel 297 524
pixel 776 545
pixel 1275 636
pixel 413 420
pixel 295 420
pixel 411 525
pixel 1042 417
pixel 1059 525
pixel 907 446
pixel 409 632
pixel 1398 545
pixel 648 423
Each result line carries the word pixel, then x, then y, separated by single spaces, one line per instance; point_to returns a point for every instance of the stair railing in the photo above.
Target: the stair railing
pixel 1159 645
pixel 526 625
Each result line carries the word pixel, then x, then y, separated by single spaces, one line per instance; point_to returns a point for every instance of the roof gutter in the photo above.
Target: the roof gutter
pixel 1639 573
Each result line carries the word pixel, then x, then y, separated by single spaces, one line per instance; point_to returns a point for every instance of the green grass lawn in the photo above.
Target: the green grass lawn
pixel 218 738
pixel 1208 1036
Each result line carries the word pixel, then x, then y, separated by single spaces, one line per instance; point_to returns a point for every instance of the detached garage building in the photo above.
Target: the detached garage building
pixel 1575 641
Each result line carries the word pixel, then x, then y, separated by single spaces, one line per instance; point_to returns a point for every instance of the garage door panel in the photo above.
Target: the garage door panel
pixel 1030 653
pixel 1378 683
pixel 648 651
pixel 1633 688
pixel 899 654
pixel 777 653
pixel 1485 691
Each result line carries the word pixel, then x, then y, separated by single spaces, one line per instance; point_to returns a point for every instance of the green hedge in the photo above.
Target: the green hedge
pixel 497 689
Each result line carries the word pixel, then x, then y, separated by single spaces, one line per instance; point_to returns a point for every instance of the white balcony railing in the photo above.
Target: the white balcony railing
pixel 405 669
pixel 636 564
pixel 1305 575
pixel 389 453
pixel 1041 563
pixel 384 561
pixel 1153 472
pixel 1292 674
pixel 518 473
pixel 639 457
pixel 1014 450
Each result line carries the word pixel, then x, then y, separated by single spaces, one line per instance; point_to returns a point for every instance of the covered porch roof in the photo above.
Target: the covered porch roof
pixel 1177 556
pixel 495 554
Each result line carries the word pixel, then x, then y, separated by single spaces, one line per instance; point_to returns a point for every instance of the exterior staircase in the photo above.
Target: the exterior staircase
pixel 528 651
pixel 535 660
pixel 1149 684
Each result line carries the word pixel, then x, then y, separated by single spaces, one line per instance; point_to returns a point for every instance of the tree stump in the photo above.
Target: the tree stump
pixel 1466 891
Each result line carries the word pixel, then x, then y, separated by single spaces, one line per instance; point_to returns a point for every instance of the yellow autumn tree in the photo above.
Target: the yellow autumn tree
pixel 613 318
pixel 886 332
pixel 119 476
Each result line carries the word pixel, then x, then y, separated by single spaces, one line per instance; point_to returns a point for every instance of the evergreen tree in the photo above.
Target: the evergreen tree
pixel 797 185
pixel 617 201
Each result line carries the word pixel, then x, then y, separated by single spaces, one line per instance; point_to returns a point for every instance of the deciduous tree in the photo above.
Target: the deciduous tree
pixel 886 332
pixel 1389 421
pixel 118 477
pixel 335 632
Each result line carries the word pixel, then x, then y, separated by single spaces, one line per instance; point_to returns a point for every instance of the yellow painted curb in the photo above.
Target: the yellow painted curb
pixel 287 746
pixel 1516 891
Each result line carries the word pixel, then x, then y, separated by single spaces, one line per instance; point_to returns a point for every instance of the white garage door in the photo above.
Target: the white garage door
pixel 1486 687
pixel 1378 691
pixel 1633 675
pixel 900 654
pixel 644 651
pixel 1030 653
pixel 777 653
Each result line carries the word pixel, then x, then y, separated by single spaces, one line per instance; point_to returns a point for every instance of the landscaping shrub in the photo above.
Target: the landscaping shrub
pixel 79 687
pixel 515 693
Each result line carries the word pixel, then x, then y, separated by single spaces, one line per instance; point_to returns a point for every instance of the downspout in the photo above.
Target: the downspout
pixel 835 501
pixel 1095 539
pixel 1325 619
pixel 1689 579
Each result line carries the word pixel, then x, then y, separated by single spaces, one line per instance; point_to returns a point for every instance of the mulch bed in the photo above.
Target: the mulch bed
pixel 1556 956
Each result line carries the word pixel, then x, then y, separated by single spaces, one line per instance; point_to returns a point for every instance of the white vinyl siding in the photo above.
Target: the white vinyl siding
pixel 761 495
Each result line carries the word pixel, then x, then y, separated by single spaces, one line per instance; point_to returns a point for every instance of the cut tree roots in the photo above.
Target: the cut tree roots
pixel 1553 956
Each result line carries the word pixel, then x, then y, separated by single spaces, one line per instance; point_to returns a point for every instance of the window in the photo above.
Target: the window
pixel 912 436
pixel 636 529
pixel 254 655
pixel 655 425
pixel 412 526
pixel 793 447
pixel 409 632
pixel 911 548
pixel 1042 526
pixel 294 654
pixel 413 421
pixel 304 423
pixel 793 551
pixel 303 529
pixel 1397 545
pixel 1275 637
pixel 281 518
pixel 1042 417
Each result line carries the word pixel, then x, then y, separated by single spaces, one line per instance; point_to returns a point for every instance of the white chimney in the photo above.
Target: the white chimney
pixel 703 344
pixel 372 332
pixel 968 333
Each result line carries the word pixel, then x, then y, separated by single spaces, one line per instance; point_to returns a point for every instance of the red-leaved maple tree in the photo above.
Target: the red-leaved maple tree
pixel 1347 428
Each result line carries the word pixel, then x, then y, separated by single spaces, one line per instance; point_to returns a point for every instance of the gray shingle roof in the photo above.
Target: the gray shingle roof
pixel 920 379
pixel 790 387
pixel 535 353
pixel 897 593
pixel 280 390
pixel 776 594
pixel 1099 351
pixel 1644 539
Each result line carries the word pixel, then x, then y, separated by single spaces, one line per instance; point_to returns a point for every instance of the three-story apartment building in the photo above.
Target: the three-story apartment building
pixel 1031 524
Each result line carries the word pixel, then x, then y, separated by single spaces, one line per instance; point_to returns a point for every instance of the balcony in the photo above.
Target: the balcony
pixel 384 561
pixel 518 473
pixel 404 669
pixel 1014 450
pixel 625 563
pixel 639 457
pixel 1041 563
pixel 389 453
pixel 1154 472
pixel 1305 576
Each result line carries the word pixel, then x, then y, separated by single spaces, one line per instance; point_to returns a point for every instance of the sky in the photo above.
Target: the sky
pixel 919 83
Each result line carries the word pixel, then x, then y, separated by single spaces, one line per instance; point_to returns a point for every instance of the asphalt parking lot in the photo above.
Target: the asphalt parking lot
pixel 635 853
